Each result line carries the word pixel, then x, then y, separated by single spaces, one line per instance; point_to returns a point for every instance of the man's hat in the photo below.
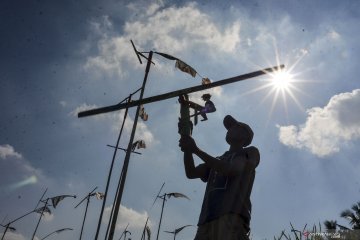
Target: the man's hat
pixel 206 95
pixel 229 121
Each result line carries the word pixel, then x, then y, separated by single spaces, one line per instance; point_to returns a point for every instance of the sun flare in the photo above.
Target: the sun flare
pixel 281 80
pixel 280 85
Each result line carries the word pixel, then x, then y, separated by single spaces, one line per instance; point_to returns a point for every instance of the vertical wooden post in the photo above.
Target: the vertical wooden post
pixel 128 153
pixel 185 125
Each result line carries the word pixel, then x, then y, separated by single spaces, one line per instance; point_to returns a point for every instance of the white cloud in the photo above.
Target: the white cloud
pixel 168 30
pixel 8 151
pixel 142 131
pixel 13 236
pixel 326 129
pixel 22 172
pixel 128 215
pixel 84 107
pixel 113 53
pixel 101 27
pixel 48 217
pixel 328 43
pixel 154 7
pixel 214 92
pixel 172 30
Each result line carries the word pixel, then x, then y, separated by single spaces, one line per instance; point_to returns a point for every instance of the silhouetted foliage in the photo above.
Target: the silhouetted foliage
pixel 353 216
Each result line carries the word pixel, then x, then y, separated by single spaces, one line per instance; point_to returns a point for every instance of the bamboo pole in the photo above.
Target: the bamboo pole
pixel 177 92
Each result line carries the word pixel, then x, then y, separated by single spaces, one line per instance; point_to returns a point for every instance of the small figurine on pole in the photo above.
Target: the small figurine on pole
pixel 208 108
pixel 199 109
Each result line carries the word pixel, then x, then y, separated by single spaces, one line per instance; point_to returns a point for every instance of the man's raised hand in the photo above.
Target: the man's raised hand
pixel 187 144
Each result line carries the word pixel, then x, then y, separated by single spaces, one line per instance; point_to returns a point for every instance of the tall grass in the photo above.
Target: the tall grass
pixel 317 233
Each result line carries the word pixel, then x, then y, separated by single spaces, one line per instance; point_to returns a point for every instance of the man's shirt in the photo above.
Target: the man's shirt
pixel 229 194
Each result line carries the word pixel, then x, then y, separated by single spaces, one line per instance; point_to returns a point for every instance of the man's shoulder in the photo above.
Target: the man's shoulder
pixel 253 155
pixel 252 150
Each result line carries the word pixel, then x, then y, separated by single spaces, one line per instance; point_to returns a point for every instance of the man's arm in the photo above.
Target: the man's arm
pixel 236 167
pixel 191 171
pixel 248 161
pixel 226 168
pixel 188 146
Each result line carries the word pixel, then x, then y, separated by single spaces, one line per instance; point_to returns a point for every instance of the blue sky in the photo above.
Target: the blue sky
pixel 58 58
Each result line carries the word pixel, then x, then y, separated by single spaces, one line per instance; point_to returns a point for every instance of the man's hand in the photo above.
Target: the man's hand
pixel 187 144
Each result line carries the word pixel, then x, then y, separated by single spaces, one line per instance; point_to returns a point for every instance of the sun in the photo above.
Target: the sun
pixel 281 80
pixel 282 85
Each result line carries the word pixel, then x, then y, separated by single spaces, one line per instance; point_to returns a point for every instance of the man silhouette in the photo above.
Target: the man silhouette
pixel 226 208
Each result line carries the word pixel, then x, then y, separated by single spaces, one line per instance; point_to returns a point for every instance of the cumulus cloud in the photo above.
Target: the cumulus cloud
pixel 128 215
pixel 8 151
pixel 154 7
pixel 112 54
pixel 102 26
pixel 164 30
pixel 326 129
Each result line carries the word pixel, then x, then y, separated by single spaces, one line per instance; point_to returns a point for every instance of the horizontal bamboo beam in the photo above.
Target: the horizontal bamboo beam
pixel 176 93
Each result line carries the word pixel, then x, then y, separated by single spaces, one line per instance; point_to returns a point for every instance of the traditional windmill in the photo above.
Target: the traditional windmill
pixel 185 125
pixel 45 209
pixel 87 198
pixel 164 197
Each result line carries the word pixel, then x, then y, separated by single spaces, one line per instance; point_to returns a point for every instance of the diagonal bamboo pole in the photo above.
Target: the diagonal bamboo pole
pixel 143 232
pixel 161 215
pixel 86 209
pixel 41 214
pixel 57 231
pixel 178 92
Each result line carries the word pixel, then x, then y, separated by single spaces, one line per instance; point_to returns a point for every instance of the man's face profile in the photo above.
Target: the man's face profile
pixel 235 134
